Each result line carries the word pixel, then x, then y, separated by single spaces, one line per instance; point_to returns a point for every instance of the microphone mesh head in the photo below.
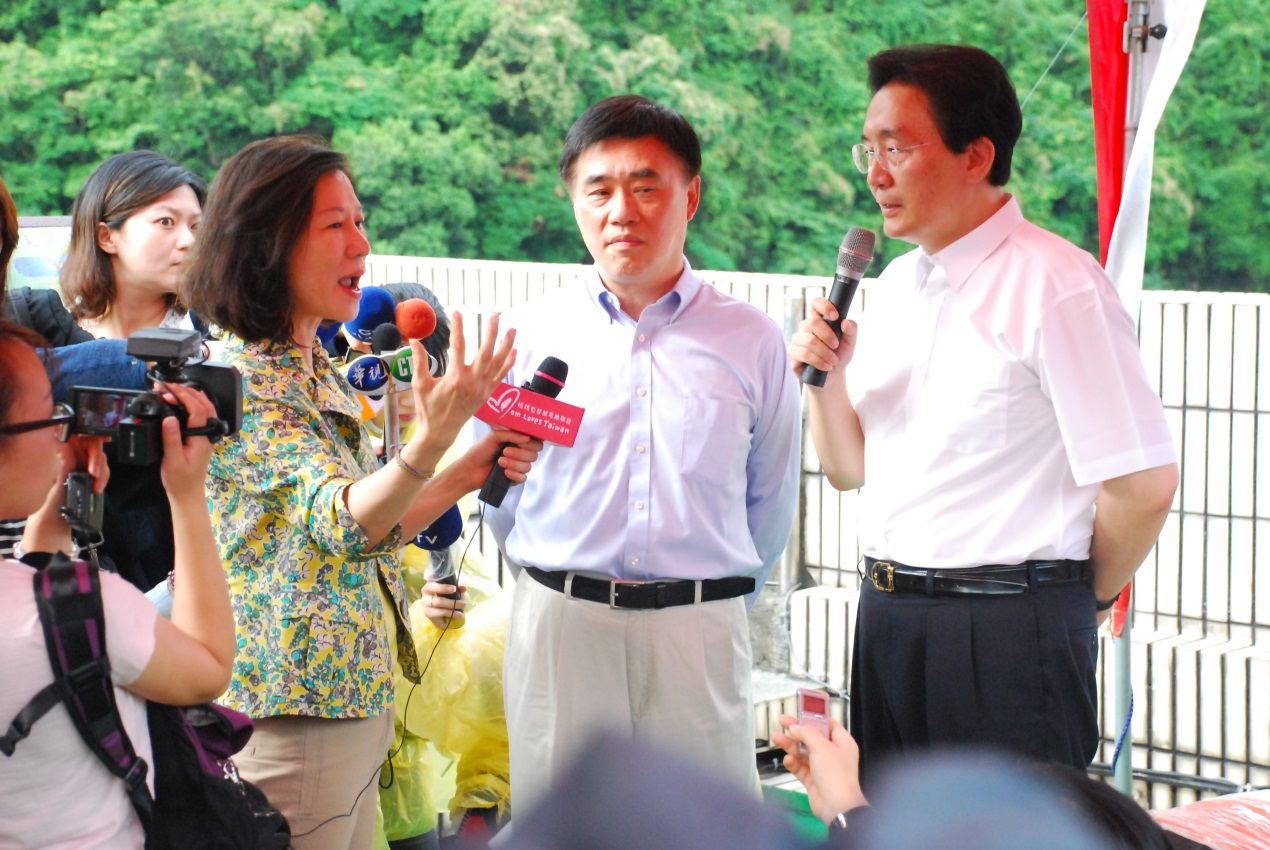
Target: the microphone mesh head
pixel 386 337
pixel 856 252
pixel 415 318
pixel 549 377
pixel 555 367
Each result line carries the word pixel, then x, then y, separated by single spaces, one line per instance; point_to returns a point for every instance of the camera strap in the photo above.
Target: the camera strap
pixel 68 598
pixel 213 430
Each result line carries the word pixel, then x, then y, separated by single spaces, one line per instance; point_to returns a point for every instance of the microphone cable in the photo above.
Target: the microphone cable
pixel 458 574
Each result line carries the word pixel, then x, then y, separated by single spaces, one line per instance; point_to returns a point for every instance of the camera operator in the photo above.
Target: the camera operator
pixel 53 789
pixel 75 356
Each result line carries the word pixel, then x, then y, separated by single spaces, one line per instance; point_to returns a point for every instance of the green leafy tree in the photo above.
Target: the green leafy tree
pixel 453 113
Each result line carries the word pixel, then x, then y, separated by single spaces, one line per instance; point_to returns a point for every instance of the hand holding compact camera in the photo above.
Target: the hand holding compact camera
pixel 83 508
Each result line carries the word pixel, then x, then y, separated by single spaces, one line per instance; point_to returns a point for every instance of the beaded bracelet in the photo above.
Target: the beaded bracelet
pixel 422 476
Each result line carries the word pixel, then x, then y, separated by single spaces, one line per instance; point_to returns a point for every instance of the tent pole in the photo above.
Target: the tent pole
pixel 1135 44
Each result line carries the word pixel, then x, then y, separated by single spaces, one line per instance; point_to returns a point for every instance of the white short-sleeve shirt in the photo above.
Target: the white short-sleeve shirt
pixel 998 383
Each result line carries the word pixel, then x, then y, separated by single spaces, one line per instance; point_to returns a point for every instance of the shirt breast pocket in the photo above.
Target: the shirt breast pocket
pixel 716 439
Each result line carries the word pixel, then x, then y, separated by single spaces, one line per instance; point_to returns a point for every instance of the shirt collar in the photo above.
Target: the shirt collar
pixel 284 358
pixel 285 354
pixel 679 297
pixel 961 258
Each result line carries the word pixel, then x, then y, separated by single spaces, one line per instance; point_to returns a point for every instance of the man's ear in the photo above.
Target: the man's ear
pixel 980 155
pixel 694 196
pixel 106 238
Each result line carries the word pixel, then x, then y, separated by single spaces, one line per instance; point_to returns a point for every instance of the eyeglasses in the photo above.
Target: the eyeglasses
pixel 63 417
pixel 888 158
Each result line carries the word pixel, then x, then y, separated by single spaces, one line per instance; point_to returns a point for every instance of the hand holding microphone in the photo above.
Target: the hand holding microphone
pixel 437 539
pixel 812 348
pixel 548 380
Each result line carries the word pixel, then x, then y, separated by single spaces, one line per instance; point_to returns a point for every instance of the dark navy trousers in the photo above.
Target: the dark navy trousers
pixel 1010 672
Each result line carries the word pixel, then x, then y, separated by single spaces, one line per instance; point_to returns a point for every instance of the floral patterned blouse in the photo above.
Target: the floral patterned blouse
pixel 305 585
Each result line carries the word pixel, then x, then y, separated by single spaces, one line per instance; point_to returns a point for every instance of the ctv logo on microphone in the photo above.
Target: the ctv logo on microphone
pixel 528 412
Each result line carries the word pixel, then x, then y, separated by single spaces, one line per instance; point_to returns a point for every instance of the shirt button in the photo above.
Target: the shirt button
pixel 641 392
pixel 640 448
pixel 639 506
pixel 641 337
pixel 634 561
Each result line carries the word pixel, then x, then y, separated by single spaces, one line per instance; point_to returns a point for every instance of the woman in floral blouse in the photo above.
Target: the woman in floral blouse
pixel 308 523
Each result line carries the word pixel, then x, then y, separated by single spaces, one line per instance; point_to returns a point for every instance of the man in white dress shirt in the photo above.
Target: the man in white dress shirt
pixel 1017 467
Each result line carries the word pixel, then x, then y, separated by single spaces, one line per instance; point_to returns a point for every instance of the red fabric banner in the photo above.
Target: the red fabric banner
pixel 1109 74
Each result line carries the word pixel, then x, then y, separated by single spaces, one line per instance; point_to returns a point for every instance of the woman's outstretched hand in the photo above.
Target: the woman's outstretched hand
pixel 443 405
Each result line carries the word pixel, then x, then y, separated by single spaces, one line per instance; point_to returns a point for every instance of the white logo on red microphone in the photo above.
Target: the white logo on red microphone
pixel 504 400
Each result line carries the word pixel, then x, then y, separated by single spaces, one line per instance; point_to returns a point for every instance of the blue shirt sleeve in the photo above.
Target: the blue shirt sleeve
pixel 99 363
pixel 772 471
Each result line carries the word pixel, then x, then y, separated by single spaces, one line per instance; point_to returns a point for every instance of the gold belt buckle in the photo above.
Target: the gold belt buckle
pixel 889 586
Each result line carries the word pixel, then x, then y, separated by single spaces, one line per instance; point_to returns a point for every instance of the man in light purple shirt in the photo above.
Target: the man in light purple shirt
pixel 640 548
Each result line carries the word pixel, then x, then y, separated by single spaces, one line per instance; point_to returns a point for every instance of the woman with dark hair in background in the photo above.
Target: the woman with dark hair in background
pixel 309 524
pixel 132 225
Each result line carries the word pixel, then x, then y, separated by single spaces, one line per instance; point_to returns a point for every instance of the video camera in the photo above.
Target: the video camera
pixel 132 418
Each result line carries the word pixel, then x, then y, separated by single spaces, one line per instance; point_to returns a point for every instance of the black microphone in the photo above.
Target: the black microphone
pixel 854 257
pixel 548 381
pixel 386 337
pixel 437 540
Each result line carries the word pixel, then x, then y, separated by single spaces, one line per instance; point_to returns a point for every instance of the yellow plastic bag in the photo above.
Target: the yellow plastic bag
pixel 459 704
pixel 405 791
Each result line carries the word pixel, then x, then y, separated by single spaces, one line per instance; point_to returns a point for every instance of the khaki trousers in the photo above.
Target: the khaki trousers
pixel 678 678
pixel 321 774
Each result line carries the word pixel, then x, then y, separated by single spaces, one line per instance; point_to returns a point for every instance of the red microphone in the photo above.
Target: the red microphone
pixel 415 318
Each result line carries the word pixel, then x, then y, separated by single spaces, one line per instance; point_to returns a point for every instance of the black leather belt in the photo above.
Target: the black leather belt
pixel 641 594
pixel 991 580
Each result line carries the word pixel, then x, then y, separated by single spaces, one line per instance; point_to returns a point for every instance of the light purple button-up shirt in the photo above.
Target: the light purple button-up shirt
pixel 686 463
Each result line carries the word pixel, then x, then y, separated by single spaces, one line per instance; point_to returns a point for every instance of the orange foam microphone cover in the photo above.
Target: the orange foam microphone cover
pixel 415 318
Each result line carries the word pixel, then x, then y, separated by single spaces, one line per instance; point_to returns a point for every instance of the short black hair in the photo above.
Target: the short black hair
pixel 630 116
pixel 970 93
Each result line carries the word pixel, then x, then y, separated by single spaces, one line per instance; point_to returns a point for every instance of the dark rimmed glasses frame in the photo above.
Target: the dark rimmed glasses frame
pixel 63 418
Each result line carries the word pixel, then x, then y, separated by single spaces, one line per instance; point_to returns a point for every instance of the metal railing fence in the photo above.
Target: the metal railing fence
pixel 1201 637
